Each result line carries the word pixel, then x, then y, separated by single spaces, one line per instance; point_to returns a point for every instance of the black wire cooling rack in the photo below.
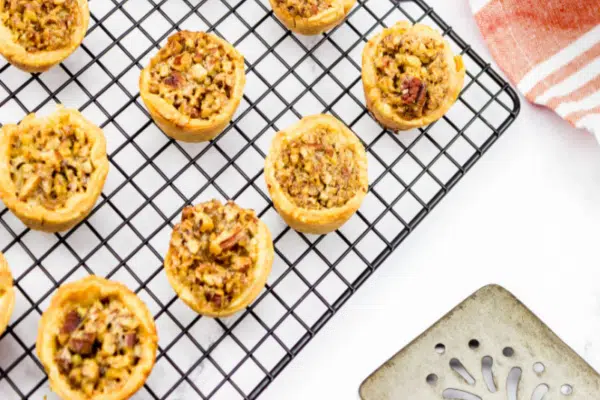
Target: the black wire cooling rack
pixel 152 178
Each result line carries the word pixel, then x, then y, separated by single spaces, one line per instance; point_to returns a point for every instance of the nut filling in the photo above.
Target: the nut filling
pixel 41 25
pixel 304 8
pixel 194 73
pixel 214 251
pixel 317 171
pixel 50 163
pixel 97 347
pixel 412 74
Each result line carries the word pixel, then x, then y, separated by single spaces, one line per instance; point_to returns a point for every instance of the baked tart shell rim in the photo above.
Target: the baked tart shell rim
pixel 262 270
pixel 380 109
pixel 182 127
pixel 318 23
pixel 49 327
pixel 7 301
pixel 78 206
pixel 303 219
pixel 43 60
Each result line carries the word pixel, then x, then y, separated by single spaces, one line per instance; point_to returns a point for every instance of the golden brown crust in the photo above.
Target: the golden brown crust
pixel 449 85
pixel 40 61
pixel 7 294
pixel 230 259
pixel 77 205
pixel 84 293
pixel 327 14
pixel 322 220
pixel 187 126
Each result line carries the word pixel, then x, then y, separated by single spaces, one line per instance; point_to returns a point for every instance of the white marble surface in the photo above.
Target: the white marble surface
pixel 526 217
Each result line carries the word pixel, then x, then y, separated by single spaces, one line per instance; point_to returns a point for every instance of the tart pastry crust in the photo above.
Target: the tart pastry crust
pixel 193 86
pixel 97 340
pixel 7 294
pixel 410 76
pixel 219 258
pixel 311 17
pixel 35 35
pixel 316 174
pixel 52 169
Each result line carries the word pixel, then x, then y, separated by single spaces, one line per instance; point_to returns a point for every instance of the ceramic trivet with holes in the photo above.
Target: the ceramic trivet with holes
pixel 489 347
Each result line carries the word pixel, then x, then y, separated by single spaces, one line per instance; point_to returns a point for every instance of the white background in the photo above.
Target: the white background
pixel 526 217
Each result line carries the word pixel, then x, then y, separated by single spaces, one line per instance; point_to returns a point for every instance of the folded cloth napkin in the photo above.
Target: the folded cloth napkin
pixel 550 49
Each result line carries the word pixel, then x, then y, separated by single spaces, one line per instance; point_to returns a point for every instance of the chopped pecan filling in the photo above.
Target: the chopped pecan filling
pixel 317 170
pixel 41 25
pixel 97 347
pixel 214 251
pixel 304 8
pixel 50 163
pixel 412 73
pixel 194 73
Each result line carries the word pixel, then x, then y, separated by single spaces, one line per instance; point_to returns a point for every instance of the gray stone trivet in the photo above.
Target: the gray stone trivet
pixel 489 347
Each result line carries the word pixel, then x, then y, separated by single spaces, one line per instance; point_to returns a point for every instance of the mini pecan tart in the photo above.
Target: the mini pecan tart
pixel 316 173
pixel 193 86
pixel 311 17
pixel 97 340
pixel 410 76
pixel 7 294
pixel 52 169
pixel 35 35
pixel 219 257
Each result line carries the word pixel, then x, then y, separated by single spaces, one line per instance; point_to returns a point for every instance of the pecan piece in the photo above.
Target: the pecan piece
pixel 82 343
pixel 241 264
pixel 232 240
pixel 29 187
pixel 63 360
pixel 215 298
pixel 346 172
pixel 72 321
pixel 317 147
pixel 413 90
pixel 175 80
pixel 187 212
pixel 227 240
pixel 130 339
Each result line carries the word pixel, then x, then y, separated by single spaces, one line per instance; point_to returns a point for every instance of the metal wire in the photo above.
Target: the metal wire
pixel 125 236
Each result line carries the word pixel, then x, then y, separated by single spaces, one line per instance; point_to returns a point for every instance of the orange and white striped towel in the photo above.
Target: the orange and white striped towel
pixel 550 49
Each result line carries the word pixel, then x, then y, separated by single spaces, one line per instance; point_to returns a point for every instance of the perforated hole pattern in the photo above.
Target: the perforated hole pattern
pixel 495 382
pixel 152 178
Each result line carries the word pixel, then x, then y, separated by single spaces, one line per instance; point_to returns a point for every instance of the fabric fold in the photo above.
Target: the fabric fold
pixel 550 50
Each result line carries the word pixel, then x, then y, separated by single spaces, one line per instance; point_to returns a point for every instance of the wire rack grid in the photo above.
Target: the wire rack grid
pixel 153 178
